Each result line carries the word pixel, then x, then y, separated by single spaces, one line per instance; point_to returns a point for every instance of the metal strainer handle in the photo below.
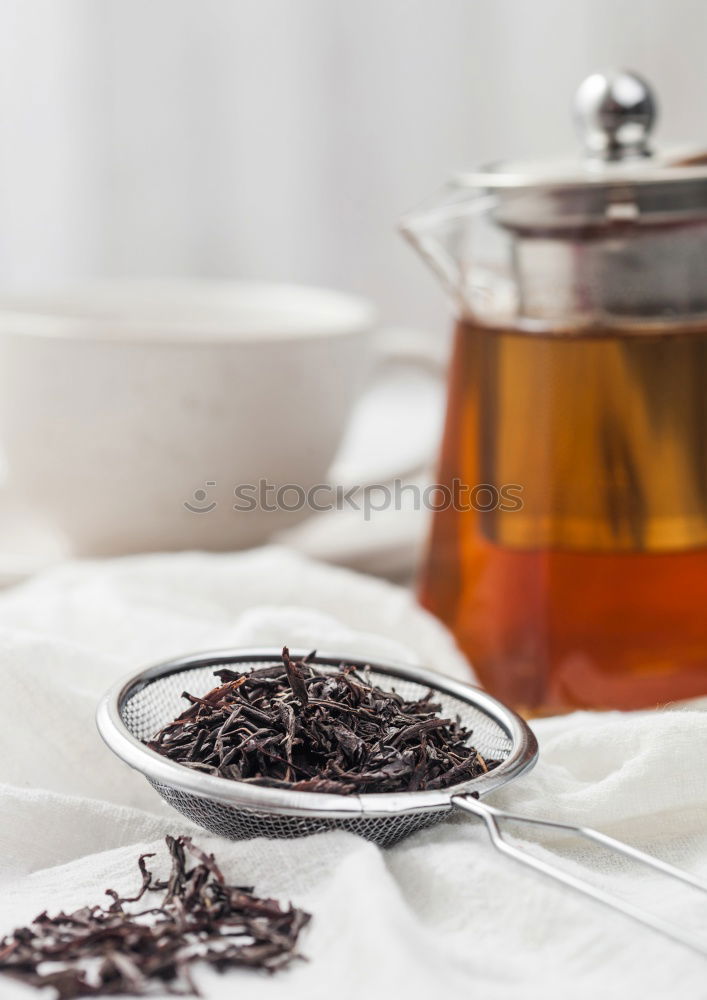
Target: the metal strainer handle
pixel 492 816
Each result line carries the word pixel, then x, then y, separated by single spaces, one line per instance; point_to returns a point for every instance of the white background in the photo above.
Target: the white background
pixel 281 139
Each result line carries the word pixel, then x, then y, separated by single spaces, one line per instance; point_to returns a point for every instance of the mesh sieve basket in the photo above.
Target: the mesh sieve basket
pixel 134 711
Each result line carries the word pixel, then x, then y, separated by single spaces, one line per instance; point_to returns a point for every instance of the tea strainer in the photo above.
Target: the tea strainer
pixel 136 709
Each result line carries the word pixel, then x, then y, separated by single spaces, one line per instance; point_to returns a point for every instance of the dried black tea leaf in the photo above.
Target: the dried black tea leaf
pixel 101 951
pixel 289 725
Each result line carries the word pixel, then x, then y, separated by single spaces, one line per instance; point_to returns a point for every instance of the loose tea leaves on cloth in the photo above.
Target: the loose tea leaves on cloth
pixel 101 951
pixel 289 725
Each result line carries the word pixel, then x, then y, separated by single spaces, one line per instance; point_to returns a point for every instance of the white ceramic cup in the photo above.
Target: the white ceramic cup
pixel 128 409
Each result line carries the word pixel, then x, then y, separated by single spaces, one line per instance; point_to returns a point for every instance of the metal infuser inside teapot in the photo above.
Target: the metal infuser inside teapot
pixel 578 576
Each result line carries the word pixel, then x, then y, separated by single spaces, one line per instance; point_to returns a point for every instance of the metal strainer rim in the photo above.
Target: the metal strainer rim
pixel 159 769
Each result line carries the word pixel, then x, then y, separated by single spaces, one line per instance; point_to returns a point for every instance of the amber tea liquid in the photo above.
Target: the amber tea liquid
pixel 594 592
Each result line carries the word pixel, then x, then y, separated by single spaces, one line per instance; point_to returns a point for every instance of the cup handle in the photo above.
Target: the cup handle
pixel 394 349
pixel 396 346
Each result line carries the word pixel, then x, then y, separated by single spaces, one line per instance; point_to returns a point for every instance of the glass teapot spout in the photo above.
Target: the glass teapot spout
pixel 456 235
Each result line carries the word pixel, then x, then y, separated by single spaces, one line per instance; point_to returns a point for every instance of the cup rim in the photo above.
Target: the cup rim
pixel 187 311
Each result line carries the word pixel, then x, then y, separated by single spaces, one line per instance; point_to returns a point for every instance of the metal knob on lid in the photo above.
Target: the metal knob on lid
pixel 615 113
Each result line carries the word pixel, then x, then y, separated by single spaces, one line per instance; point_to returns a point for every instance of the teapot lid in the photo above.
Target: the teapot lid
pixel 614 112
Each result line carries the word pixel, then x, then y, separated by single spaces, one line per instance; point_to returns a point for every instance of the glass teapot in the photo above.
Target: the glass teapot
pixel 569 557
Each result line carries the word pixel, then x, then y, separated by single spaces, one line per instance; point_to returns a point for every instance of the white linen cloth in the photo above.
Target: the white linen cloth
pixel 441 914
